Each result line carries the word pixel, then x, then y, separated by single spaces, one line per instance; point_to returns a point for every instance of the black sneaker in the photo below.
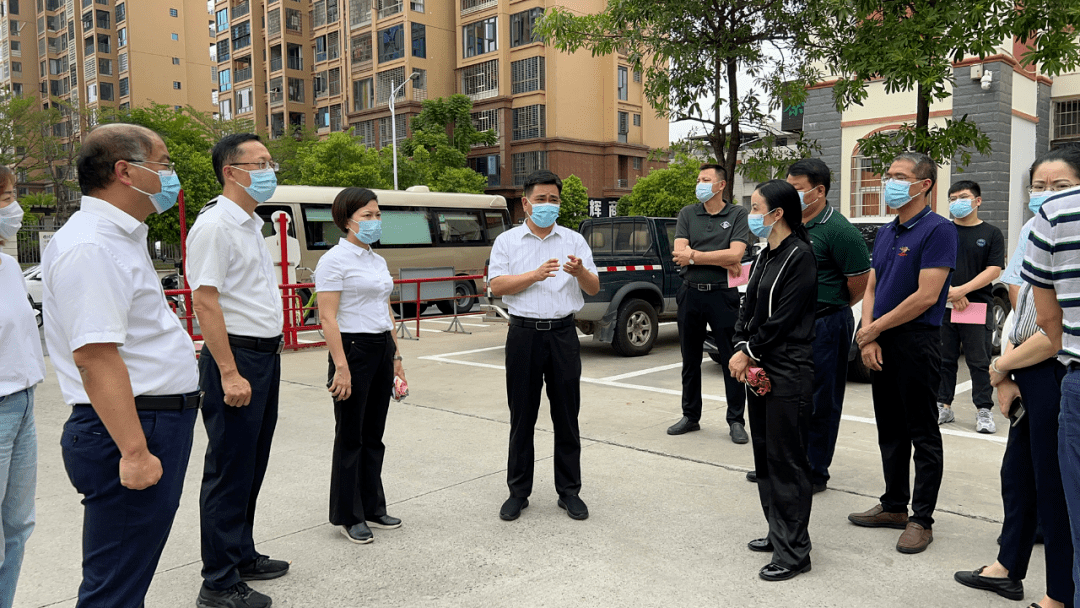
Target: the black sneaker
pixel 358 533
pixel 263 569
pixel 237 596
pixel 384 522
pixel 511 509
pixel 574 507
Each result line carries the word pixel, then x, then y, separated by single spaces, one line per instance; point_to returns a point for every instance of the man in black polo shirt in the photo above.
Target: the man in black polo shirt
pixel 710 239
pixel 900 339
pixel 980 256
pixel 843 267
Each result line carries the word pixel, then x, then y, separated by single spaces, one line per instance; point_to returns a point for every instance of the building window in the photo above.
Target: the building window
pixel 124 87
pixel 294 21
pixel 322 118
pixel 176 36
pixel 273 22
pixel 386 82
pixel 296 89
pixel 525 163
pixel 385 130
pixel 333 48
pixel 417 6
pixel 224 78
pixel 319 14
pixel 331 12
pixel 335 117
pixel 528 122
pixel 176 61
pixel 91 92
pixel 276 93
pixel 176 85
pixel 419 40
pixel 363 94
pixel 391 43
pixel 487 166
pixel 244 100
pixel 13 7
pixel 320 84
pixel 173 12
pixel 1067 119
pixel 365 132
pixel 243 69
pixel 16 67
pixel 480 37
pixel 624 126
pixel 486 120
pixel 87 22
pixel 419 84
pixel 361 49
pixel 521 27
pixel 320 49
pixel 637 120
pixel 624 88
pixel 527 75
pixel 481 81
pixel 222 20
pixel 866 200
pixel 121 12
pixel 123 61
pixel 637 163
pixel 637 75
pixel 389 7
pixel 105 67
pixel 103 19
pixel 103 44
pixel 241 35
pixel 472 6
pixel 359 13
pixel 223 50
pixel 294 57
pixel 226 109
pixel 121 37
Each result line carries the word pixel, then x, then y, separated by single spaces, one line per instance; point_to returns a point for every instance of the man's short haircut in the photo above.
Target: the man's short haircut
pixel 925 167
pixel 537 178
pixel 227 151
pixel 966 184
pixel 720 171
pixel 106 145
pixel 814 170
pixel 348 202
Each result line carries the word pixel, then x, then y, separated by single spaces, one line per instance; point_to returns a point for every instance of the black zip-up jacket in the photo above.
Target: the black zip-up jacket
pixel 780 300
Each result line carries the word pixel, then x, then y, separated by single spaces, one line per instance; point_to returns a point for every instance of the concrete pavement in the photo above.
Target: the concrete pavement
pixel 670 516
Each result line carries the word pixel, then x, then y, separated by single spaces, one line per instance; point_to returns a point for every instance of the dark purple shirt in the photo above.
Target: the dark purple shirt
pixel 901 251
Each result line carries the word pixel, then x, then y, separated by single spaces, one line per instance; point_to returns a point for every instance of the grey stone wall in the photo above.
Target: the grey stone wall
pixel 821 122
pixel 1042 130
pixel 992 112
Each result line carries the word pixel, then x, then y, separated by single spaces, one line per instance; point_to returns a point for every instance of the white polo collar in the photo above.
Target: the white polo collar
pixel 111 213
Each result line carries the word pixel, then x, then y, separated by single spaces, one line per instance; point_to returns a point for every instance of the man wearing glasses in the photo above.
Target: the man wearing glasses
pixel 238 304
pixel 900 339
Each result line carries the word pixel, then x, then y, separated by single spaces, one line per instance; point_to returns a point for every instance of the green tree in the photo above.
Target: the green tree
pixel 691 54
pixel 287 151
pixel 36 200
pixel 443 135
pixel 663 192
pixel 911 45
pixel 575 203
pixel 340 160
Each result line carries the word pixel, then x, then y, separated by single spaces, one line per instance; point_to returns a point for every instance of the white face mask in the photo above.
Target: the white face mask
pixel 10 220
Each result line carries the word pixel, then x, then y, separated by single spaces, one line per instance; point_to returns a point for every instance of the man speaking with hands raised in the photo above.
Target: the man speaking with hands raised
pixel 542 294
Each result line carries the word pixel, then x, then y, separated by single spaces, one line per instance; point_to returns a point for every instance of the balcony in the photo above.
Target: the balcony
pixel 622 183
pixel 275 64
pixel 471 6
pixel 296 63
pixel 241 10
pixel 243 74
pixel 394 9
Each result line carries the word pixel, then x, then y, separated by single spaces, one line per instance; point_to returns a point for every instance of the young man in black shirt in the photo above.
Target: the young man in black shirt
pixel 980 256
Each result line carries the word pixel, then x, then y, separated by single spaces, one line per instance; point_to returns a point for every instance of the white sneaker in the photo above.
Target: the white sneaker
pixel 944 414
pixel 984 423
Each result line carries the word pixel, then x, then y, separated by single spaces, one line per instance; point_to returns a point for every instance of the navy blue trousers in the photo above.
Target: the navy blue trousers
pixel 1031 489
pixel 1069 458
pixel 236 459
pixel 124 531
pixel 832 342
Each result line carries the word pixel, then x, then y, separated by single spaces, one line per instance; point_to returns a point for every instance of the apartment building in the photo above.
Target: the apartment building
pixel 18 50
pixel 333 64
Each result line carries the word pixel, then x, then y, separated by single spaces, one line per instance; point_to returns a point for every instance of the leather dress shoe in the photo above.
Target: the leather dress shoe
pixel 384 522
pixel 738 433
pixel 876 517
pixel 263 569
pixel 915 539
pixel 237 596
pixel 684 425
pixel 511 509
pixel 358 533
pixel 574 507
pixel 819 487
pixel 761 545
pixel 776 572
pixel 751 476
pixel 1005 587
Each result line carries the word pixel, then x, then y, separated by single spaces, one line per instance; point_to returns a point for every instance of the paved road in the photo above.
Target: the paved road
pixel 670 516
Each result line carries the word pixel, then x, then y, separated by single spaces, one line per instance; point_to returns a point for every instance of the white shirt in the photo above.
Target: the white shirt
pixel 21 362
pixel 365 283
pixel 518 251
pixel 225 250
pixel 100 287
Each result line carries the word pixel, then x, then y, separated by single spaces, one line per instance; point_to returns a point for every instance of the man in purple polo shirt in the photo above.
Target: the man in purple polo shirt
pixel 901 340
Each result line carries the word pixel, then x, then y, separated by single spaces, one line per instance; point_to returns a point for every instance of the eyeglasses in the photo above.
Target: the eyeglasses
pixel 168 166
pixel 886 180
pixel 1054 188
pixel 262 165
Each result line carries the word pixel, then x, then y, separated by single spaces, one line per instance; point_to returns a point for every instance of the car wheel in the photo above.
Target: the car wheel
pixel 635 329
pixel 1001 310
pixel 466 299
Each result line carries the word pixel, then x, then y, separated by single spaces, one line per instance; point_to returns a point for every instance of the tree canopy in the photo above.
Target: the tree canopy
pixel 663 192
pixel 574 208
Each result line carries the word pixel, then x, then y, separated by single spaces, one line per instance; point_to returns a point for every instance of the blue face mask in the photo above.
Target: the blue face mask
pixel 544 214
pixel 704 192
pixel 263 184
pixel 164 199
pixel 370 231
pixel 897 193
pixel 961 208
pixel 757 224
pixel 802 200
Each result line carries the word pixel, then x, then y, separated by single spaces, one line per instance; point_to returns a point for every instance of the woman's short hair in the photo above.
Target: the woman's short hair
pixel 347 202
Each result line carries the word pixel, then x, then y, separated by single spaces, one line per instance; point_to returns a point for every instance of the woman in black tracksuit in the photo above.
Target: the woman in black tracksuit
pixel 775 331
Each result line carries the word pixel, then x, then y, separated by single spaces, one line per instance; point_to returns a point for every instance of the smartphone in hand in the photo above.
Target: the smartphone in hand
pixel 1016 411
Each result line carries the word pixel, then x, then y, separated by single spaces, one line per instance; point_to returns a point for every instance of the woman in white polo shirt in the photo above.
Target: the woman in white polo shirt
pixel 21 368
pixel 354 288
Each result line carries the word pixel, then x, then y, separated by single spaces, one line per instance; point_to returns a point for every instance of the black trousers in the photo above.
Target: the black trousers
pixel 124 531
pixel 977 343
pixel 779 427
pixel 905 405
pixel 1031 488
pixel 717 310
pixel 832 343
pixel 236 459
pixel 534 359
pixel 356 490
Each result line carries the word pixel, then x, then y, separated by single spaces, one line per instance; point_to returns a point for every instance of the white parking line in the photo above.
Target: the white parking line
pixel 661 368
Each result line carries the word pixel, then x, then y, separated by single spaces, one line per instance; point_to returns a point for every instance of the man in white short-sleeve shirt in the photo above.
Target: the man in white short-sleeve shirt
pixel 124 362
pixel 238 303
pixel 540 269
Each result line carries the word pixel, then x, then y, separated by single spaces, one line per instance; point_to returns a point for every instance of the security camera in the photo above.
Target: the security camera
pixel 986 79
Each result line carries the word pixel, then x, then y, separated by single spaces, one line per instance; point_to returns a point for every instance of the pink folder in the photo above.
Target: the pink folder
pixel 974 314
pixel 744 278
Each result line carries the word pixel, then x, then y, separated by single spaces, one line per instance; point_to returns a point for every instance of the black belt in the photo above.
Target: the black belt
pixel 705 286
pixel 1074 366
pixel 542 324
pixel 262 345
pixel 189 401
pixel 829 310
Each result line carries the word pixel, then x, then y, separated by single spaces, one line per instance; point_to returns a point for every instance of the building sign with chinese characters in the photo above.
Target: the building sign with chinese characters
pixel 602 207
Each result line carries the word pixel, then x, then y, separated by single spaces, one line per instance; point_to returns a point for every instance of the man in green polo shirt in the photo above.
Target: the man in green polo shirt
pixel 843 267
pixel 710 239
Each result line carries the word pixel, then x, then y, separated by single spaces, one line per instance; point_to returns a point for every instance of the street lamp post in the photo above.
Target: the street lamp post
pixel 393 120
